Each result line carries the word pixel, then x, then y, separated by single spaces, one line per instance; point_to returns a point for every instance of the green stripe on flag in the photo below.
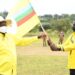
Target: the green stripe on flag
pixel 23 15
pixel 26 18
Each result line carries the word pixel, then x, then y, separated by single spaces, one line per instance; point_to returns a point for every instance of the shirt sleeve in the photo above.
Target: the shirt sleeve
pixel 68 45
pixel 25 40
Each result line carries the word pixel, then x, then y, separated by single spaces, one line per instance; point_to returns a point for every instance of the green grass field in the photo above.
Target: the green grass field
pixel 42 65
pixel 38 60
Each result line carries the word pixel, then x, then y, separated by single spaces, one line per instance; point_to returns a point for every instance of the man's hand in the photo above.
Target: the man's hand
pixel 41 35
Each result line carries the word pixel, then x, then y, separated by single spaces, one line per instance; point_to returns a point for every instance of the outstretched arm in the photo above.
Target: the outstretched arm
pixel 26 41
pixel 52 45
pixel 67 46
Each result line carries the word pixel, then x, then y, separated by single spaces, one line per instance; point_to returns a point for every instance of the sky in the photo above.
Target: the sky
pixel 6 5
pixel 43 7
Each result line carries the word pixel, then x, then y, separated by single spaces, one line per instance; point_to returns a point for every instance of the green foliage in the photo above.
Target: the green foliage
pixel 46 27
pixel 60 24
pixel 72 16
pixel 4 14
pixel 55 22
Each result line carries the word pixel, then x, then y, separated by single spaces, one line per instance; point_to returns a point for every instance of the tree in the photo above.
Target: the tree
pixel 72 17
pixel 61 24
pixel 56 16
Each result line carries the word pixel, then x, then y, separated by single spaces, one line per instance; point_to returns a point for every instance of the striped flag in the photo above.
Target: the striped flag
pixel 24 15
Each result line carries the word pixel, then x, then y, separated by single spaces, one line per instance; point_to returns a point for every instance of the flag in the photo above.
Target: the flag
pixel 24 15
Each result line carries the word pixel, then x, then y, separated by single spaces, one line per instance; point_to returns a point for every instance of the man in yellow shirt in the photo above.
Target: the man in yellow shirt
pixel 8 43
pixel 69 46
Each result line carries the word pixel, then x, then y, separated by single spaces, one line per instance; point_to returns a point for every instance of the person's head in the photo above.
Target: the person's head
pixel 73 27
pixel 3 24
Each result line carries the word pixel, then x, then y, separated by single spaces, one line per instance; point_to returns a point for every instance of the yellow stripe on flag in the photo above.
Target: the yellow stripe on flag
pixel 27 26
pixel 17 7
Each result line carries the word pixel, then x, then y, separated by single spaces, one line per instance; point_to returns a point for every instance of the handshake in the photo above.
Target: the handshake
pixel 49 42
pixel 42 35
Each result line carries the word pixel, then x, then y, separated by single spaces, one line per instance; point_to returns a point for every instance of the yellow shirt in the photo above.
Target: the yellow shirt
pixel 69 46
pixel 8 52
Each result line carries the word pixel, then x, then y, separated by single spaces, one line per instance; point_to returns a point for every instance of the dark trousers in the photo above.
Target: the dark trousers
pixel 72 71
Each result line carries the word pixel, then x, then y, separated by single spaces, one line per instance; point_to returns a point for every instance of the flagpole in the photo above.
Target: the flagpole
pixel 41 24
pixel 42 28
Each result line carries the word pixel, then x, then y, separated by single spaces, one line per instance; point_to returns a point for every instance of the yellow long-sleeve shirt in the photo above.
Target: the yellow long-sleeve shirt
pixel 69 46
pixel 8 59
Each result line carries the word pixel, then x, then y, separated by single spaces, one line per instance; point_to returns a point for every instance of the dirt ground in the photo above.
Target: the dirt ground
pixel 38 50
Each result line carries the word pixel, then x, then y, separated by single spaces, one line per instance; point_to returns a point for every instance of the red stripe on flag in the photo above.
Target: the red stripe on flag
pixel 26 18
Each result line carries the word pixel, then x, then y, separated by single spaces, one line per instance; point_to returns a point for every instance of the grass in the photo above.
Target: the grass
pixel 42 65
